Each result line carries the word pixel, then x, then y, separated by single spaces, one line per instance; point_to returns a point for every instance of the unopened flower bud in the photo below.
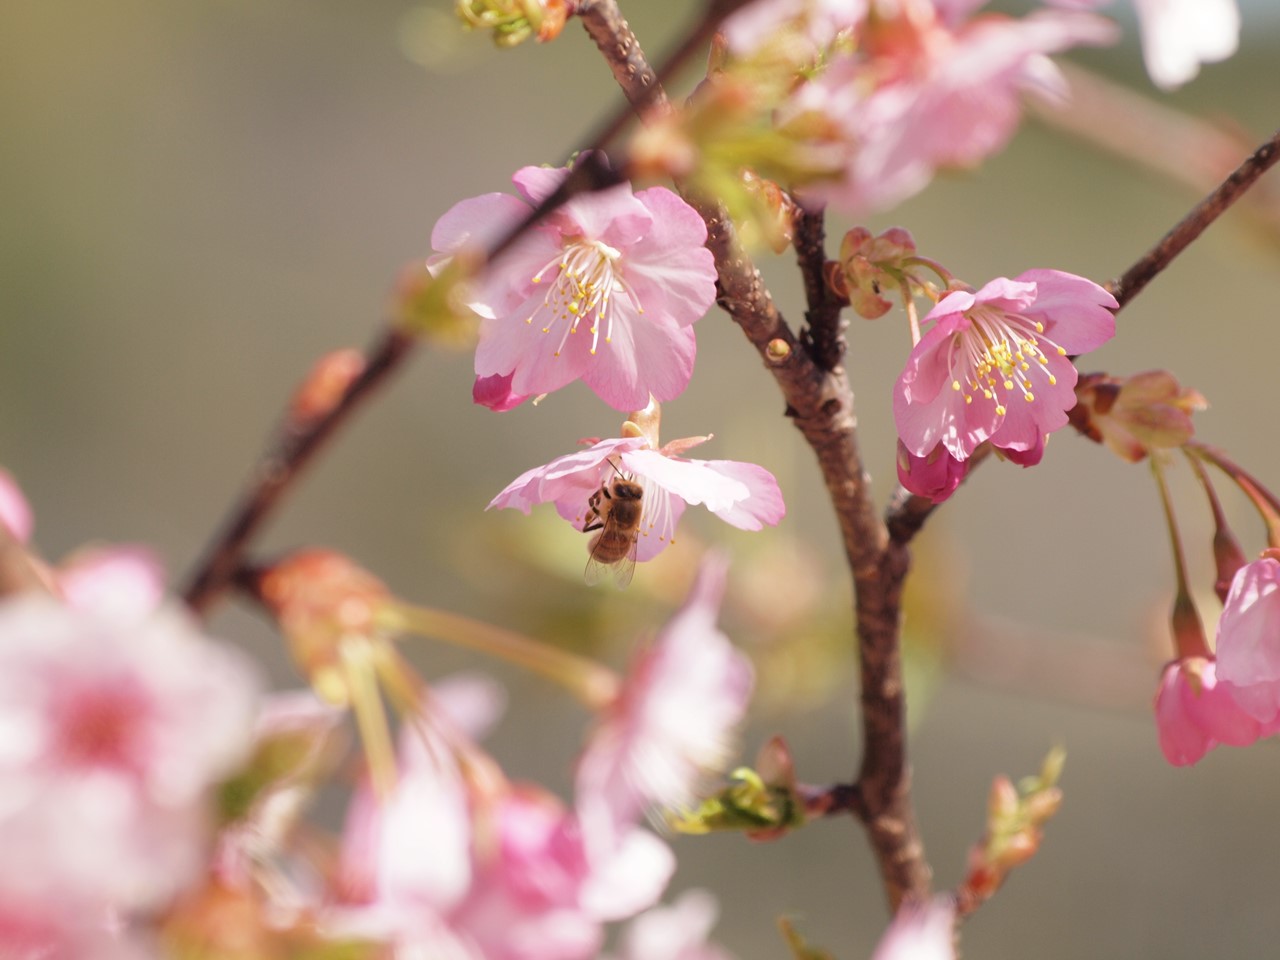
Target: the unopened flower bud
pixel 1002 802
pixel 869 265
pixel 515 21
pixel 1135 415
pixel 325 385
pixel 1018 849
pixel 322 602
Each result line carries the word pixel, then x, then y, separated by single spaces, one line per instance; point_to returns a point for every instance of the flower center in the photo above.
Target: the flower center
pixel 999 353
pixel 589 272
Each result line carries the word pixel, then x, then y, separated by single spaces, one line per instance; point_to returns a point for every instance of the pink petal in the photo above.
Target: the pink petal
pixel 935 476
pixel 691 480
pixel 646 356
pixel 495 393
pixel 763 503
pixel 669 267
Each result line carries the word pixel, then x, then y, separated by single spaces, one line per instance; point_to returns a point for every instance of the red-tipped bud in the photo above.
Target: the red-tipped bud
pixel 325 385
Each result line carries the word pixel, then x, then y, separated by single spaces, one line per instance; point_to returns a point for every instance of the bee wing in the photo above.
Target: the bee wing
pixel 622 569
pixel 625 568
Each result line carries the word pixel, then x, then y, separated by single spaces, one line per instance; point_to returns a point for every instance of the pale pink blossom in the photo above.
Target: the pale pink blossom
pixel 817 22
pixel 674 722
pixel 1195 712
pixel 930 87
pixel 920 932
pixel 123 580
pixel 112 731
pixel 994 365
pixel 677 932
pixel 606 290
pixel 742 494
pixel 1179 35
pixel 15 512
pixel 1248 644
pixel 440 870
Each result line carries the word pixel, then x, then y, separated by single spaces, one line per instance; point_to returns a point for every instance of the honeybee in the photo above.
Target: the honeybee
pixel 615 513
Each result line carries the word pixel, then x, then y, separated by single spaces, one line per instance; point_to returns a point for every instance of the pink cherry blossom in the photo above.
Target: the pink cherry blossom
pixel 1195 712
pixel 677 932
pixel 930 87
pixel 112 730
pixel 742 494
pixel 920 932
pixel 1248 644
pixel 606 290
pixel 674 720
pixel 994 365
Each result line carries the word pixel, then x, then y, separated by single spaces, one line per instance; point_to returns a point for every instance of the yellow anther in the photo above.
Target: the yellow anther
pixel 955 384
pixel 1030 397
pixel 1053 381
pixel 1062 351
pixel 1000 411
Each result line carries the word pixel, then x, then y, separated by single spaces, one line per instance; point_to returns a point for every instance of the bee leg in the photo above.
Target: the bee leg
pixel 596 525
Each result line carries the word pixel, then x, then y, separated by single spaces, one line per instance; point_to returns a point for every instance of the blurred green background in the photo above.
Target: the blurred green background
pixel 197 199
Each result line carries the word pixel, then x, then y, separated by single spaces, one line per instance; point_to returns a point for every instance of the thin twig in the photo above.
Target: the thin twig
pixel 278 469
pixel 1131 283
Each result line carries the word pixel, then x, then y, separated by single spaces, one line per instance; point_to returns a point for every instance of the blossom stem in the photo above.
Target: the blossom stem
pixel 909 305
pixel 1188 632
pixel 594 685
pixel 1227 554
pixel 1263 500
pixel 1133 280
pixel 946 276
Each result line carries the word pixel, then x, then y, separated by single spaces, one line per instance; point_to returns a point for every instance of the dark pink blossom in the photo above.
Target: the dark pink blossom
pixel 742 494
pixel 606 290
pixel 936 475
pixel 994 365
pixel 1248 644
pixel 1195 712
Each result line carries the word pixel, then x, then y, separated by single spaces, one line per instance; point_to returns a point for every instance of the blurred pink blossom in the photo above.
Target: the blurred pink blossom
pixel 112 731
pixel 605 290
pixel 817 21
pixel 677 932
pixel 1179 35
pixel 125 580
pixel 993 365
pixel 742 494
pixel 920 932
pixel 930 87
pixel 674 722
pixel 1195 712
pixel 441 870
pixel 1248 644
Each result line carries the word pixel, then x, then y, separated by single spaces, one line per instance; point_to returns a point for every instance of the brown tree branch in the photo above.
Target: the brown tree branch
pixel 823 335
pixel 821 404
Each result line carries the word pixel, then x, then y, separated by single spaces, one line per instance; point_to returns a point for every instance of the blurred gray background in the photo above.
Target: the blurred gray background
pixel 197 199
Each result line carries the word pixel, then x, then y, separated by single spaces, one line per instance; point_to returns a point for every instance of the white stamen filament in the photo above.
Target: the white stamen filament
pixel 997 355
pixel 588 273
